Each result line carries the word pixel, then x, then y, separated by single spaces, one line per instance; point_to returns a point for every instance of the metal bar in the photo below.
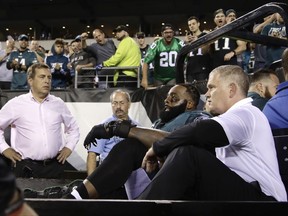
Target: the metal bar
pixel 113 68
pixel 257 38
pixel 239 23
pixel 107 76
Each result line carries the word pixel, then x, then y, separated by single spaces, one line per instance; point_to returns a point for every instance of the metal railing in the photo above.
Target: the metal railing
pixel 89 78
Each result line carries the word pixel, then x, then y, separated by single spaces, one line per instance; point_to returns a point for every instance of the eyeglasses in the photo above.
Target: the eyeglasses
pixel 140 37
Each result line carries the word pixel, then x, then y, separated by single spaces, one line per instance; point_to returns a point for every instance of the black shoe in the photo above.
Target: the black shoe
pixel 29 193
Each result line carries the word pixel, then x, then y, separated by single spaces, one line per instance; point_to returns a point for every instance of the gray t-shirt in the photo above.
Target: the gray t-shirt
pixel 102 52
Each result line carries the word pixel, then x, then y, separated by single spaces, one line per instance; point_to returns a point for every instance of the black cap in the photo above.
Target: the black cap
pixel 230 11
pixel 78 38
pixel 140 35
pixel 120 28
pixel 166 26
pixel 23 37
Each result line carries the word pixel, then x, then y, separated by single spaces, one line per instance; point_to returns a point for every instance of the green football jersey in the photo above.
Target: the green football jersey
pixel 164 58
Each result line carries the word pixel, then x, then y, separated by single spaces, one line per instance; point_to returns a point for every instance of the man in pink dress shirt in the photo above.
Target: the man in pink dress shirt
pixel 39 147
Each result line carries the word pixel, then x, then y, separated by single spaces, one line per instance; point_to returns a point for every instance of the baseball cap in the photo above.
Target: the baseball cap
pixel 166 26
pixel 23 37
pixel 120 28
pixel 230 11
pixel 78 38
pixel 140 35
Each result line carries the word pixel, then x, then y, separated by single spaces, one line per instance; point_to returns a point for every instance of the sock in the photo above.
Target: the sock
pixel 76 195
pixel 82 192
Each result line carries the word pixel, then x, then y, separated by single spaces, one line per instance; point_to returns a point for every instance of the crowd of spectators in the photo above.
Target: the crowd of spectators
pixel 234 84
pixel 154 70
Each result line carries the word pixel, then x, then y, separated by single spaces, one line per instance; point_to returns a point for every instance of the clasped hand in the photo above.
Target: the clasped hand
pixel 151 162
pixel 107 130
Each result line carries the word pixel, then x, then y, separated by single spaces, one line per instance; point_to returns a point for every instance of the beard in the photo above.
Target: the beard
pixel 120 38
pixel 173 112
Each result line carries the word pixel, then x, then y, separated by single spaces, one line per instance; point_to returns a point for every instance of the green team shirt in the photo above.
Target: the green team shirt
pixel 27 58
pixel 164 58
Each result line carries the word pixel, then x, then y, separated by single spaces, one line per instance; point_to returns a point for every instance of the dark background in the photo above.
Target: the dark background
pixel 44 19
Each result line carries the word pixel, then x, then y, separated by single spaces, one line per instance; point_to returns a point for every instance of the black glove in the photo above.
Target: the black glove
pixel 97 132
pixel 120 128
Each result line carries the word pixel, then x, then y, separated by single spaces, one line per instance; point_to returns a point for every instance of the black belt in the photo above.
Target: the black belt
pixel 42 162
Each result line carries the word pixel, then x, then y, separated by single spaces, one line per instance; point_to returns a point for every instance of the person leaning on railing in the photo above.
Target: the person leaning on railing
pixel 127 54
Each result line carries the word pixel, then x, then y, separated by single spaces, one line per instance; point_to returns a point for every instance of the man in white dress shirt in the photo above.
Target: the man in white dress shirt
pixel 39 148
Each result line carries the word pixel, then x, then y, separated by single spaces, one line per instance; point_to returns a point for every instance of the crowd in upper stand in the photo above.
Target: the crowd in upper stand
pixel 238 131
pixel 156 60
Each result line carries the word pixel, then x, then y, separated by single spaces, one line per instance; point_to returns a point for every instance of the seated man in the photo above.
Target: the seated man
pixel 276 112
pixel 245 166
pixel 263 84
pixel 120 104
pixel 127 155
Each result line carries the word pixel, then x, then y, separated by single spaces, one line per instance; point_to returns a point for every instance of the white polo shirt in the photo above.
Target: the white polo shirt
pixel 251 146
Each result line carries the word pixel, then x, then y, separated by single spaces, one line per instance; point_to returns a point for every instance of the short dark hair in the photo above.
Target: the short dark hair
pixel 193 17
pixel 59 41
pixel 260 74
pixel 193 92
pixel 230 11
pixel 220 10
pixel 31 72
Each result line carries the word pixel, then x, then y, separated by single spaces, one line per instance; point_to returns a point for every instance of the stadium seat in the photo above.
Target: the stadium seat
pixel 281 144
